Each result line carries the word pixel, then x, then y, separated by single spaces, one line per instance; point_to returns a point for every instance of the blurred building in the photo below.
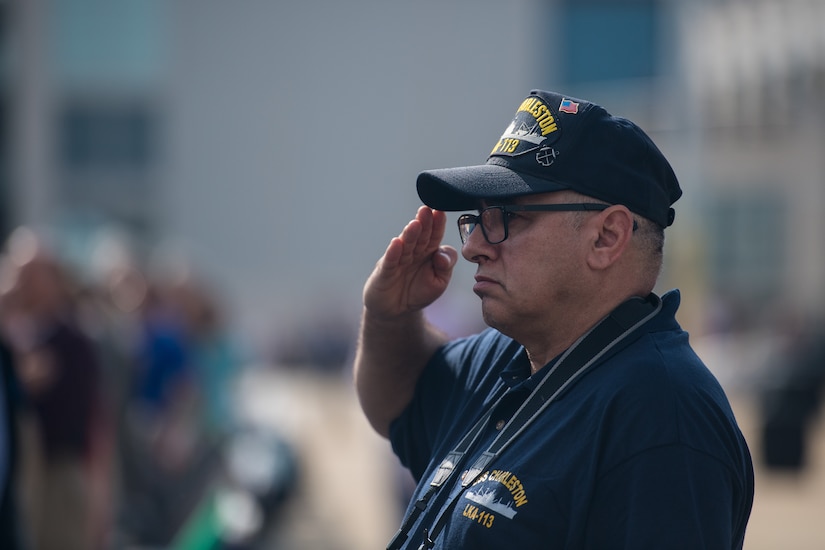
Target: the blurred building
pixel 276 143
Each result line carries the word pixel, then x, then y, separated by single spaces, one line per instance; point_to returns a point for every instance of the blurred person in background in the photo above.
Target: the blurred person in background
pixel 110 310
pixel 215 358
pixel 792 392
pixel 582 418
pixel 158 431
pixel 164 388
pixel 63 443
pixel 179 410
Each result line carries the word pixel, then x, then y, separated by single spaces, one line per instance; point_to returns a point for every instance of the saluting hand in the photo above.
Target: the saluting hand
pixel 415 269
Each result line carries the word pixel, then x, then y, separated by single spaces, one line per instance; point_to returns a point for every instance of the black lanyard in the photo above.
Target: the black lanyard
pixel 588 349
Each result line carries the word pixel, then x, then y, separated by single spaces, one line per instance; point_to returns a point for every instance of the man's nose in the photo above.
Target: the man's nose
pixel 476 246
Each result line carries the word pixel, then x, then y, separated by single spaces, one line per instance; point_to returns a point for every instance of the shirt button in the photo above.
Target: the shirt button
pixel 500 424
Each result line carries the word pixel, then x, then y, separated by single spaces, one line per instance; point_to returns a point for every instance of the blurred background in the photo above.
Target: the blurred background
pixel 205 185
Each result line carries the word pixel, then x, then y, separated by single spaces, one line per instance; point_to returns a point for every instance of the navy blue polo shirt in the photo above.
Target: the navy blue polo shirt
pixel 643 451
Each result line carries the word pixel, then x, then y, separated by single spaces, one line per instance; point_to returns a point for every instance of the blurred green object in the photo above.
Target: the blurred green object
pixel 227 516
pixel 203 529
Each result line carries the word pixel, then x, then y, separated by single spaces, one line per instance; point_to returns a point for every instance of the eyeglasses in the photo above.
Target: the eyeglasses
pixel 494 219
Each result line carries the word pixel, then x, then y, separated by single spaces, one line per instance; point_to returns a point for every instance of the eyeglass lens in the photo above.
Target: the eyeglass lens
pixel 493 225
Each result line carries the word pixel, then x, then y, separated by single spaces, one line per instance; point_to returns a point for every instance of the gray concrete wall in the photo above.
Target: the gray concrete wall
pixel 297 130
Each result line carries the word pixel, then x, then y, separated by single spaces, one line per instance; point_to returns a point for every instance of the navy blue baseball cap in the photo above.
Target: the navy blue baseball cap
pixel 558 142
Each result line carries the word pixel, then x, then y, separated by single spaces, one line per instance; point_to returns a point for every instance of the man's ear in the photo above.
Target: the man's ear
pixel 614 228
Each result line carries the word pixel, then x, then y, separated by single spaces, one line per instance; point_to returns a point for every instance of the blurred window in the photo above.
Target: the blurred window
pixel 609 40
pixel 108 136
pixel 108 153
pixel 746 243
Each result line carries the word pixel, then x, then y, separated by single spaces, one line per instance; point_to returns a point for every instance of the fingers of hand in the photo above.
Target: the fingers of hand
pixel 433 223
pixel 402 250
pixel 416 238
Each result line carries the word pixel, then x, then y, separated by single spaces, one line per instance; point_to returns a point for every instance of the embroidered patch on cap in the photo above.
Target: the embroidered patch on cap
pixel 534 125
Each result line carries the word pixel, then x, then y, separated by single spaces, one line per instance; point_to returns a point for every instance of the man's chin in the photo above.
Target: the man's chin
pixel 493 318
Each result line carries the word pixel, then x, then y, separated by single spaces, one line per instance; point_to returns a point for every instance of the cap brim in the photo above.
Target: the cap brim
pixel 454 189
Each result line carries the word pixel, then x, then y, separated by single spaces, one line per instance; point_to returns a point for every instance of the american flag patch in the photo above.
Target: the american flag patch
pixel 570 107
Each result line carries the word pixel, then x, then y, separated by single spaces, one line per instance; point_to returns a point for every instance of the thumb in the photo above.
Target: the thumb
pixel 444 259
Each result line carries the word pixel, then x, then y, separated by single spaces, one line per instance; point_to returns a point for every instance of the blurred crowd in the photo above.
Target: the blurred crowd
pixel 119 388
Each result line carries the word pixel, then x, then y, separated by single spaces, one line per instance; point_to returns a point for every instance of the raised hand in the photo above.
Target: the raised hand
pixel 415 269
